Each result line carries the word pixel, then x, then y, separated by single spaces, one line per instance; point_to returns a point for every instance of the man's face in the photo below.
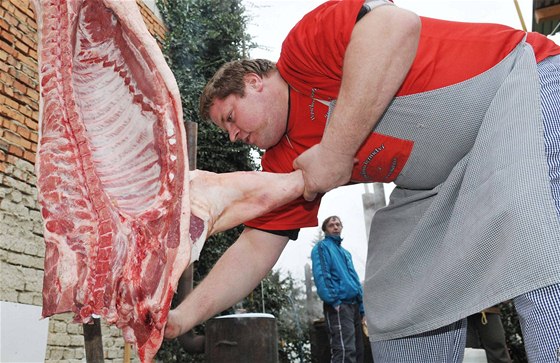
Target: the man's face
pixel 334 227
pixel 257 118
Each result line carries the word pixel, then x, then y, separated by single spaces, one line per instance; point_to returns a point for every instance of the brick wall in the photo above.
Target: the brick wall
pixel 21 242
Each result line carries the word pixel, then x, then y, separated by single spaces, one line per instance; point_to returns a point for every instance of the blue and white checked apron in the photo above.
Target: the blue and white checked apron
pixel 473 220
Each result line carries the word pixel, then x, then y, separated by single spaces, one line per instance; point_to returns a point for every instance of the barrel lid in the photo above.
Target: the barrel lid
pixel 246 315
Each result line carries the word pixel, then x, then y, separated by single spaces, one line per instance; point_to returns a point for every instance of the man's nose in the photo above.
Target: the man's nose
pixel 233 133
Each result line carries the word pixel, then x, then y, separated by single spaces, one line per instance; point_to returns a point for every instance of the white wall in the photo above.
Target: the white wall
pixel 23 335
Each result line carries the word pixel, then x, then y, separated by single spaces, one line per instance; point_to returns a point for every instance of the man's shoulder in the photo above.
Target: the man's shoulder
pixel 318 245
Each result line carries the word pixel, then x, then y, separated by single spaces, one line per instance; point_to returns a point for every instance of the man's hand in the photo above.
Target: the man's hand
pixel 323 169
pixel 173 327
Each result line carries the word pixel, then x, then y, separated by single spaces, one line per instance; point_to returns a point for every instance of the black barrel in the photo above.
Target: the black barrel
pixel 242 338
pixel 320 347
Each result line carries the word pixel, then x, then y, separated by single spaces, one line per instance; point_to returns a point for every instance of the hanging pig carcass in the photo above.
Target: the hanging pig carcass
pixel 122 216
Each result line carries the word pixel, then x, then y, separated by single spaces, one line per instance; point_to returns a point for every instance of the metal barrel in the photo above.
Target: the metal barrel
pixel 242 338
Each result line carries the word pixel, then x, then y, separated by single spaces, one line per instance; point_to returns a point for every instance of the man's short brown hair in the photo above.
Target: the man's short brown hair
pixel 230 79
pixel 327 220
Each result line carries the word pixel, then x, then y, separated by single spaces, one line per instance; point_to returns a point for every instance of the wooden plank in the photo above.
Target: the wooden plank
pixel 93 341
pixel 548 13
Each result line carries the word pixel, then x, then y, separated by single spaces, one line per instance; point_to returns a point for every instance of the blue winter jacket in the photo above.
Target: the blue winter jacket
pixel 334 274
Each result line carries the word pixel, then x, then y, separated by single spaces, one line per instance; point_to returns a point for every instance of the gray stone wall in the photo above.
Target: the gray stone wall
pixel 21 241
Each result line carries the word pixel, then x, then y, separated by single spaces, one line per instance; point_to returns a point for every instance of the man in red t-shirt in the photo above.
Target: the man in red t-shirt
pixel 449 112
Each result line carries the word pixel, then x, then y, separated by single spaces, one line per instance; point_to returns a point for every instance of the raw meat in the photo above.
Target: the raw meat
pixel 112 170
pixel 113 176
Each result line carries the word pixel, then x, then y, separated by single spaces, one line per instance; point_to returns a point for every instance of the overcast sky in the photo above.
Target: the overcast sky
pixel 270 22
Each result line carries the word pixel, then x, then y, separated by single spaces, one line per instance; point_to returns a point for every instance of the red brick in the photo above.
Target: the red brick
pixel 34 106
pixel 27 60
pixel 9 125
pixel 24 109
pixel 6 79
pixel 31 42
pixel 18 33
pixel 11 61
pixel 12 71
pixel 4 24
pixel 7 48
pixel 29 156
pixel 22 99
pixel 20 87
pixel 25 7
pixel 20 15
pixel 23 132
pixel 32 92
pixel 11 159
pixel 12 137
pixel 9 91
pixel 8 36
pixel 10 103
pixel 26 144
pixel 33 50
pixel 22 47
pixel 13 115
pixel 25 79
pixel 10 19
pixel 32 123
pixel 31 71
pixel 16 150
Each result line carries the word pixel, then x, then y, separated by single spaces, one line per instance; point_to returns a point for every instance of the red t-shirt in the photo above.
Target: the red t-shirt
pixel 311 62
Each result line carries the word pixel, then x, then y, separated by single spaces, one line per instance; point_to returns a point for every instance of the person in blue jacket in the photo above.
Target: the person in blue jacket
pixel 339 287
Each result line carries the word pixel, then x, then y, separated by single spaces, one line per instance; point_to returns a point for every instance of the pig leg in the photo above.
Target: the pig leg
pixel 226 200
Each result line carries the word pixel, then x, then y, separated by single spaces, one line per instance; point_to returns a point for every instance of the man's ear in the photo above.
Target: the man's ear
pixel 254 81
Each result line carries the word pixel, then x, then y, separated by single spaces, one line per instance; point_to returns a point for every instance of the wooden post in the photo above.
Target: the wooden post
pixel 190 342
pixel 192 131
pixel 126 356
pixel 93 341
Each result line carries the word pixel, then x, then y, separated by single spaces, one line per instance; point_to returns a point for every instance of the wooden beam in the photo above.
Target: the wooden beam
pixel 548 13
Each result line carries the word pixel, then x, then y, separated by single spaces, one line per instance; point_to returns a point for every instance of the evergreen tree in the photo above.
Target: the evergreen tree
pixel 202 35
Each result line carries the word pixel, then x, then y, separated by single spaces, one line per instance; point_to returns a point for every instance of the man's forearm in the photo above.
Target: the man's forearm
pixel 378 57
pixel 233 277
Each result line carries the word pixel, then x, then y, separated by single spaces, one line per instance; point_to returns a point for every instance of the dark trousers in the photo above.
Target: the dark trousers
pixel 345 333
pixel 489 336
